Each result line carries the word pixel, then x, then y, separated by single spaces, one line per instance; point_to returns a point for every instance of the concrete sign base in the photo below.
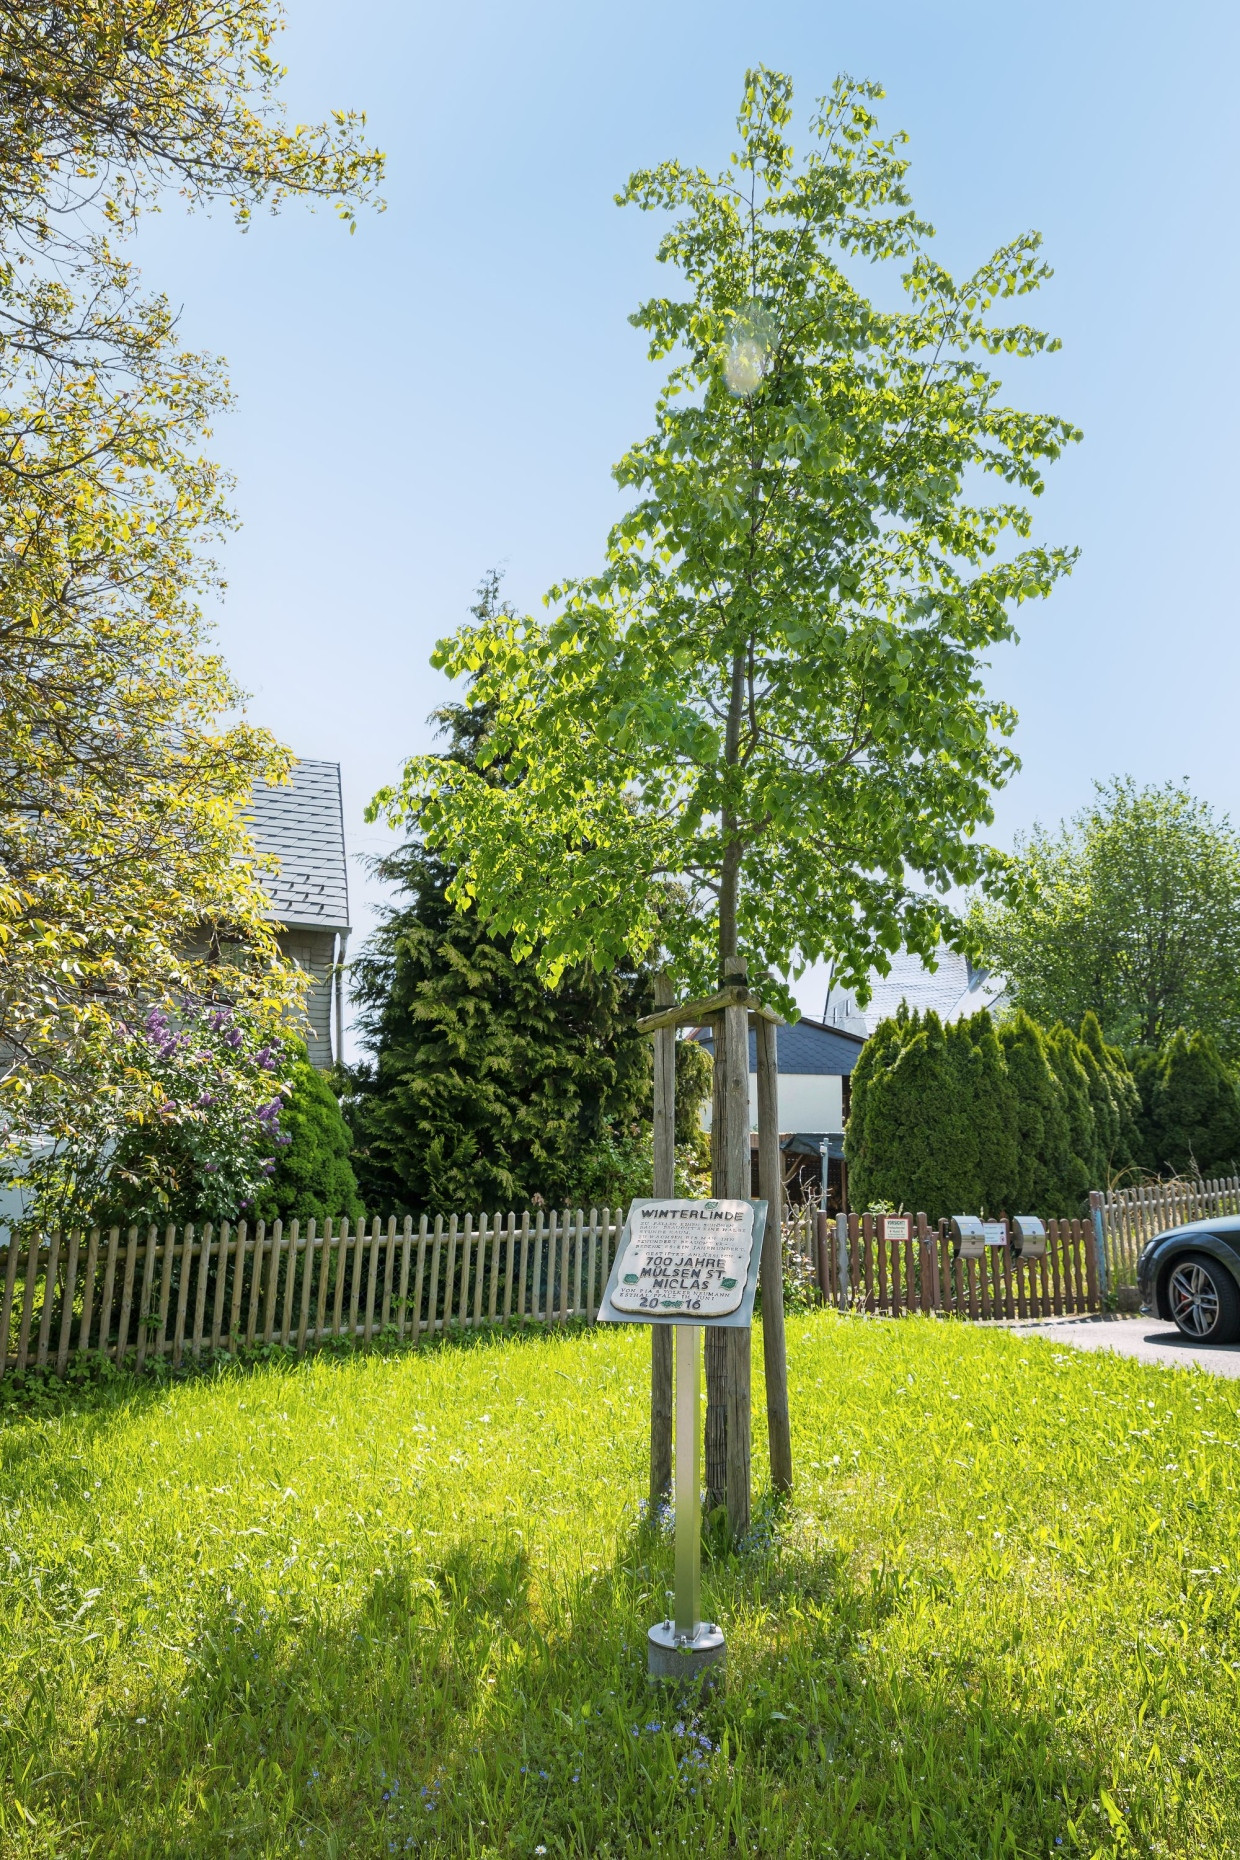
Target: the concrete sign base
pixel 671 1656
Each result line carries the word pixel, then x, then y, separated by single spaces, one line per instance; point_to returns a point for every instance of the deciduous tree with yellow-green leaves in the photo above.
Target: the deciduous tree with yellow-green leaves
pixel 125 881
pixel 771 693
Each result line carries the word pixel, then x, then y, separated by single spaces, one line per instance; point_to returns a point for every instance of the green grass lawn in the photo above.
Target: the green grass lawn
pixel 397 1604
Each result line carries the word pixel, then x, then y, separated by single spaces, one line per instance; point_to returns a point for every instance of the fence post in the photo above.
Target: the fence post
pixel 843 1275
pixel 1100 1246
pixel 822 1255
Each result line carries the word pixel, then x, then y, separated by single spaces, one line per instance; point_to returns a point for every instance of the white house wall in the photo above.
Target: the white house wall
pixel 314 951
pixel 807 1101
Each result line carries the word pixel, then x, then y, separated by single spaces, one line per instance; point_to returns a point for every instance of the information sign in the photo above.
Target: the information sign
pixel 897 1227
pixel 686 1262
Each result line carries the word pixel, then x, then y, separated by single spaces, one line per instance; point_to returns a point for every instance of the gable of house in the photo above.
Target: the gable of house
pixel 301 825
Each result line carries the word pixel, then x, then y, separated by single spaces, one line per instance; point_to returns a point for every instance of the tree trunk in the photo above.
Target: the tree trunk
pixel 728 1351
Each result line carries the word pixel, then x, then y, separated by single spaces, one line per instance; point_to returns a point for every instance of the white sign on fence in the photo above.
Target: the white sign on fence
pixel 688 1262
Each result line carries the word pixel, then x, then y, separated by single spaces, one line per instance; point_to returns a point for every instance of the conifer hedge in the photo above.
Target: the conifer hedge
pixel 971 1119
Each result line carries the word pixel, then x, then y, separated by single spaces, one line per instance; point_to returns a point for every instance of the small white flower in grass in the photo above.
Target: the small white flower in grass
pixel 540 1849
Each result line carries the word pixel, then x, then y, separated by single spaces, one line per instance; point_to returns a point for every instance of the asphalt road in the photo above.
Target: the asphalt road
pixel 1148 1339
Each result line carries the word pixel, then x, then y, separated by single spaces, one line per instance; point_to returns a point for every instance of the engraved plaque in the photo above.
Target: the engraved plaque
pixel 685 1262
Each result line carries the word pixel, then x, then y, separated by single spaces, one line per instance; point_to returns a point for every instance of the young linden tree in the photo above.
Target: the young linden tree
pixel 761 729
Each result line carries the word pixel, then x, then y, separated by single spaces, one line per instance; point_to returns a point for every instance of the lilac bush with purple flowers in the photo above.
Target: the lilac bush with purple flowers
pixel 210 1090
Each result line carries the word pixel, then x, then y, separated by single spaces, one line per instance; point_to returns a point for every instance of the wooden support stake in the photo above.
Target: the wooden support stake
pixel 728 1351
pixel 770 1190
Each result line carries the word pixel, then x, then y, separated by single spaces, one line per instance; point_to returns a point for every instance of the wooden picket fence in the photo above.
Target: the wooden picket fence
pixel 152 1295
pixel 859 1265
pixel 1131 1216
pixel 155 1295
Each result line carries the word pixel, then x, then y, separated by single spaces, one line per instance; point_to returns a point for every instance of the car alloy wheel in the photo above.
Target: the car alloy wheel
pixel 1194 1299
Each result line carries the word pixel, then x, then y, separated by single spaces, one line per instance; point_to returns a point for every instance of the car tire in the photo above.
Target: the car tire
pixel 1203 1300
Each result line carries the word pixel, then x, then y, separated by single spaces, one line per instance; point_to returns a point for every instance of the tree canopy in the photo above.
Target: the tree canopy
pixel 770 693
pixel 103 106
pixel 1130 911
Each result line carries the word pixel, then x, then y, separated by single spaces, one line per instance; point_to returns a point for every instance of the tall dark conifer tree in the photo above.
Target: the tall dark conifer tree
pixel 486 1088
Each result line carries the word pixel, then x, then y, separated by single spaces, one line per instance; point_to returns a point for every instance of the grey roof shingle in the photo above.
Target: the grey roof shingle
pixel 303 825
pixel 952 990
pixel 808 1047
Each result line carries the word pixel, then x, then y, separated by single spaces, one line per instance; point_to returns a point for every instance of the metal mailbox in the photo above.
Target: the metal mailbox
pixel 1028 1237
pixel 968 1236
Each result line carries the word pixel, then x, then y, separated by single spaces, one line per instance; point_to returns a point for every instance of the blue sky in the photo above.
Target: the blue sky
pixel 447 390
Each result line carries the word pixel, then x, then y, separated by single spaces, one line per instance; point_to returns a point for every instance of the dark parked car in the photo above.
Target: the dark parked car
pixel 1192 1275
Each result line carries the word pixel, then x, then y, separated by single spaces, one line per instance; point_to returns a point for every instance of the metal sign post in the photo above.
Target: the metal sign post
pixel 683 1646
pixel 688 1264
pixel 688 1484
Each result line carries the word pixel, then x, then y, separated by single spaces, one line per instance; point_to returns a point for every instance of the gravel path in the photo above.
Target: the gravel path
pixel 1150 1340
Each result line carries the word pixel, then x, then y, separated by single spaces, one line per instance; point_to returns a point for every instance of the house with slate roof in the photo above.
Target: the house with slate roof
pixel 953 989
pixel 815 1063
pixel 302 826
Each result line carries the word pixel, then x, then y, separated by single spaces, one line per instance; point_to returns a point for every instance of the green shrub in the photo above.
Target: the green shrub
pixel 920 1147
pixel 311 1175
pixel 1193 1122
pixel 966 1120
